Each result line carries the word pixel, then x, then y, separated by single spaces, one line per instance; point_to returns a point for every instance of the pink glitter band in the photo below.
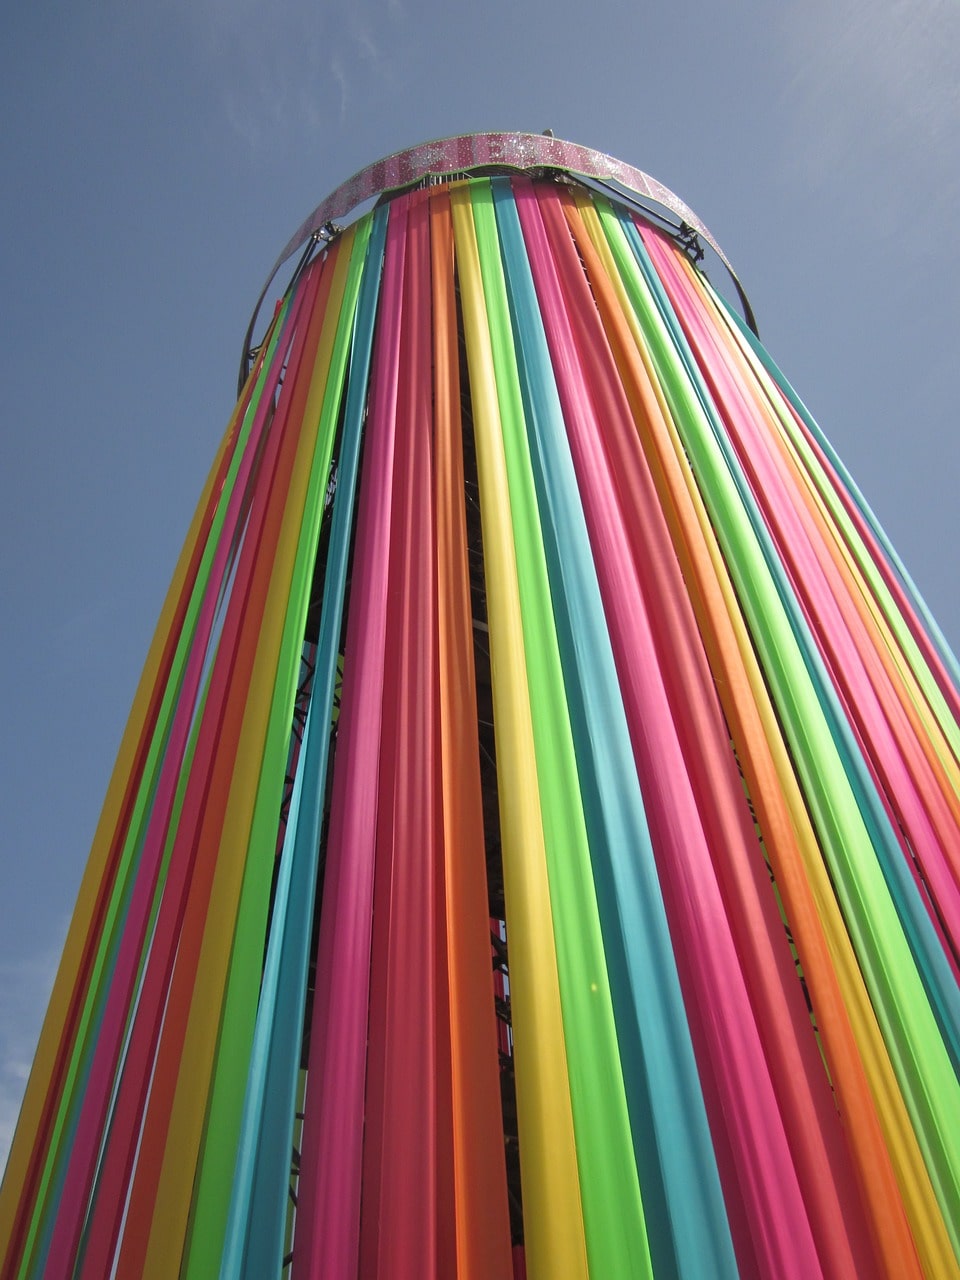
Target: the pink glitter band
pixel 472 151
pixel 468 153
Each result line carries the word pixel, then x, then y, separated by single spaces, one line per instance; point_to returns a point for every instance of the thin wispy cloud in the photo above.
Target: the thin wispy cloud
pixel 873 88
pixel 367 46
pixel 255 52
pixel 339 76
pixel 25 987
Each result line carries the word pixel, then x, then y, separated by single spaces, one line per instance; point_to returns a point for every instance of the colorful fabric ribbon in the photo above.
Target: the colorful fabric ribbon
pixel 524 591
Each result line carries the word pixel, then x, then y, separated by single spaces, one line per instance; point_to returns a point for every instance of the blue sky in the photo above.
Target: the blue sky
pixel 154 161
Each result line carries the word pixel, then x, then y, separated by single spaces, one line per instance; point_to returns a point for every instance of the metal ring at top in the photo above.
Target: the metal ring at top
pixel 472 151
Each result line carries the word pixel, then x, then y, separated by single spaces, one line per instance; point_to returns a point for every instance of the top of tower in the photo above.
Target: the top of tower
pixel 471 154
pixel 480 152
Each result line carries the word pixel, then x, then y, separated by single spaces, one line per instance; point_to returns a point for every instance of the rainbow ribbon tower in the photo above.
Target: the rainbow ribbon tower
pixel 535 846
